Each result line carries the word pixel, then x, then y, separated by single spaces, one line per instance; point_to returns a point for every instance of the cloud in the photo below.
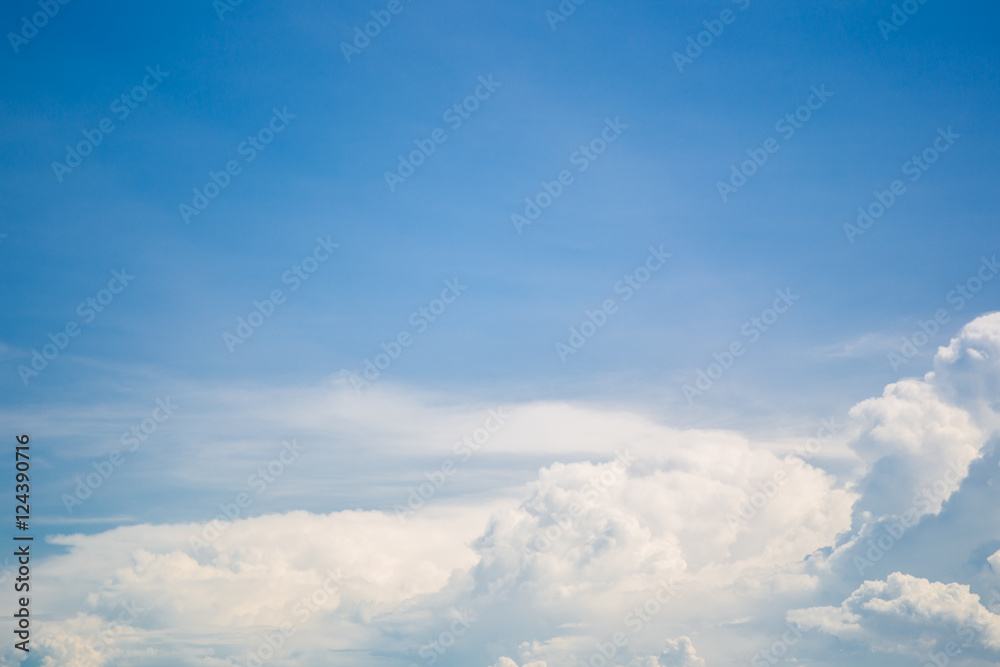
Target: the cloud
pixel 680 653
pixel 908 615
pixel 967 370
pixel 867 345
pixel 918 441
pixel 911 438
pixel 584 542
pixel 549 566
pixel 297 568
pixel 85 638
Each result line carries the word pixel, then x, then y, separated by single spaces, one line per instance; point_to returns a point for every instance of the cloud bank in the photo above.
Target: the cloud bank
pixel 634 545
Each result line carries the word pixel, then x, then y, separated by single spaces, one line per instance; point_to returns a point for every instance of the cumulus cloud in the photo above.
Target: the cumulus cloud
pixel 994 562
pixel 677 653
pixel 549 569
pixel 967 370
pixel 911 439
pixel 90 639
pixel 906 614
pixel 918 441
pixel 591 531
pixel 301 569
pixel 507 662
pixel 586 542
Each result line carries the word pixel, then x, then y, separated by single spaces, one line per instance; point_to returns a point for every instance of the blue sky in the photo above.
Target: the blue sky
pixel 344 124
pixel 657 186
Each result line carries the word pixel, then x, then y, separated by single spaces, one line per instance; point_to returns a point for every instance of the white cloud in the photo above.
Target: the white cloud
pixel 919 438
pixel 967 370
pixel 909 615
pixel 680 653
pixel 553 567
pixel 257 575
pixel 911 438
pixel 994 562
pixel 585 541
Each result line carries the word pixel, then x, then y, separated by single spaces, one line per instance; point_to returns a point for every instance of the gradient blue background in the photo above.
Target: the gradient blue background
pixel 324 176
